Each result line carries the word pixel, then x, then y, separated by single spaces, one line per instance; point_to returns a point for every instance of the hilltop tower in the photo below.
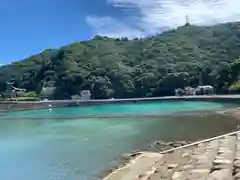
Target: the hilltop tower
pixel 187 21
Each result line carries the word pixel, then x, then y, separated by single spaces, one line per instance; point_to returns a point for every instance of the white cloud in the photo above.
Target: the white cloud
pixel 155 15
pixel 107 26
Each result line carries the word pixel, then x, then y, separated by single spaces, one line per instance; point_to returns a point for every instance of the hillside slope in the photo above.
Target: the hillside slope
pixel 124 68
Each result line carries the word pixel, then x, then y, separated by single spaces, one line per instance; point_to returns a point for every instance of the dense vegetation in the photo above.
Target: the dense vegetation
pixel 122 68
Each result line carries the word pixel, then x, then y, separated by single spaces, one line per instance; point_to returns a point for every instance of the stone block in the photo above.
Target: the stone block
pixel 177 175
pixel 222 161
pixel 223 174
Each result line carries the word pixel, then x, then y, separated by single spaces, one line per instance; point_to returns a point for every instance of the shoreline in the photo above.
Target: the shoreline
pixel 120 172
pixel 127 159
pixel 225 111
pixel 6 106
pixel 165 146
pixel 155 147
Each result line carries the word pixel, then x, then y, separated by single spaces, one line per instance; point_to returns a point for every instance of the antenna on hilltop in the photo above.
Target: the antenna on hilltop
pixel 187 21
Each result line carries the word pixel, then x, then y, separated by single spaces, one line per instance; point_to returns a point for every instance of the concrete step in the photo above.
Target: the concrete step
pixel 137 168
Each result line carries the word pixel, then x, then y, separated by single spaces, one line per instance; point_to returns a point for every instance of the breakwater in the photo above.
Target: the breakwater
pixel 27 105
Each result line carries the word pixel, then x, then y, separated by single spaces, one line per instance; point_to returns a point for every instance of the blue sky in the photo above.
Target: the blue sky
pixel 30 26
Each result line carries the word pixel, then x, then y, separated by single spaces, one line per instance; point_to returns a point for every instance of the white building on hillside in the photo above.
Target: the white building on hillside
pixel 202 90
pixel 86 94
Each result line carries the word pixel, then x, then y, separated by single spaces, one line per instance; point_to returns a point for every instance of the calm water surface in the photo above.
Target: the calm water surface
pixel 124 109
pixel 79 149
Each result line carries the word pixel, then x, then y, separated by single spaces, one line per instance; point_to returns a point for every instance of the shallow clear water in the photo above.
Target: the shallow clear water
pixel 79 149
pixel 123 109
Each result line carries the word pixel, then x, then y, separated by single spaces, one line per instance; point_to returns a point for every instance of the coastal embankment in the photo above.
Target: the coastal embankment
pixel 159 147
pixel 27 105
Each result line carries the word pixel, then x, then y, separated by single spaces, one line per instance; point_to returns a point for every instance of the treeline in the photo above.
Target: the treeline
pixel 145 67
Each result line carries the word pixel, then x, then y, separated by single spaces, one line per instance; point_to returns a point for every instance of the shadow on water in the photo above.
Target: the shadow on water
pixel 192 127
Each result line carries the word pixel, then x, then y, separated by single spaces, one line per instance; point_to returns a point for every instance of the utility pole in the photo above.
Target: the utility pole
pixel 142 88
pixel 93 86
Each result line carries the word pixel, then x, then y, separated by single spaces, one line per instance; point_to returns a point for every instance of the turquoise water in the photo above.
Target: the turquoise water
pixel 124 109
pixel 80 149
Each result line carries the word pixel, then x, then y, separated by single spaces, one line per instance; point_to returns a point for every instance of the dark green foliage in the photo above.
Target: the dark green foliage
pixel 167 85
pixel 122 68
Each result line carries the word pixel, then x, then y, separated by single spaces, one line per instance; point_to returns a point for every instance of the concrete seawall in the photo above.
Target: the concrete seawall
pixel 27 105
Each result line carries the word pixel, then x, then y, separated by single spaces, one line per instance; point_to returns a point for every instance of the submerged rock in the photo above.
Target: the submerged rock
pixel 162 146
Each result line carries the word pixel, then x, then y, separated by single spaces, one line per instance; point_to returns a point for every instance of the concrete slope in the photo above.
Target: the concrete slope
pixel 217 158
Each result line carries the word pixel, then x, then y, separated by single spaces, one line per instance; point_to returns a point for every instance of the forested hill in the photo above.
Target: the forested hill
pixel 123 68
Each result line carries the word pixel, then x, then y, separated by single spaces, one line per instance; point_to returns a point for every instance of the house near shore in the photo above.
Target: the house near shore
pixel 19 91
pixel 200 90
pixel 47 92
pixel 12 92
pixel 189 90
pixel 76 97
pixel 84 95
pixel 8 86
pixel 204 90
